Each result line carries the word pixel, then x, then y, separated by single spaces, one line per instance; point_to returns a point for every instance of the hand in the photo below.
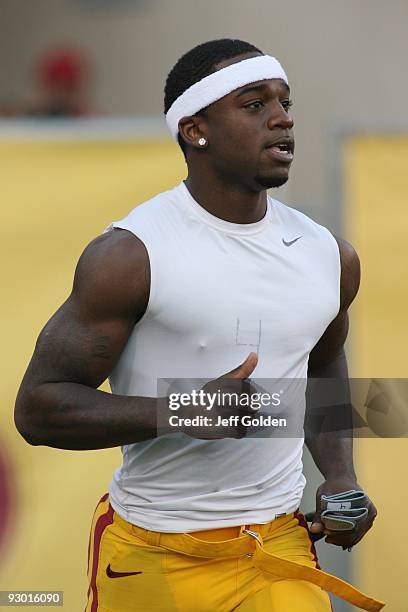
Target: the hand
pixel 346 539
pixel 232 382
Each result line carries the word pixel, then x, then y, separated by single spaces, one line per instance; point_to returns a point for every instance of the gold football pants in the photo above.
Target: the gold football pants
pixel 271 568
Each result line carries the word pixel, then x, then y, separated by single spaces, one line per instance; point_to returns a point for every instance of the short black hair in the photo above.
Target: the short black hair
pixel 198 63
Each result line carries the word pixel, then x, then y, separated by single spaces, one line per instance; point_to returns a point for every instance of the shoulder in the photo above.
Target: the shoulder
pixel 350 272
pixel 113 272
pixel 116 249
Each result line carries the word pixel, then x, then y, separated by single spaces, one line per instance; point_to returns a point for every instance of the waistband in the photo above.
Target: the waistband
pixel 247 540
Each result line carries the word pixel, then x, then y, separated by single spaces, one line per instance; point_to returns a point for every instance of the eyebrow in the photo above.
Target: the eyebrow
pixel 250 88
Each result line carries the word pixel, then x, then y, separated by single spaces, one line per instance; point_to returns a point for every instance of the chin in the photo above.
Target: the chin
pixel 269 182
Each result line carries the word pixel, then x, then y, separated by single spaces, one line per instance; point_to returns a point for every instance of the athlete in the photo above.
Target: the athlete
pixel 212 280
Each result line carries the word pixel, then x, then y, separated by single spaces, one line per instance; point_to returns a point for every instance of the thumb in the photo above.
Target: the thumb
pixel 245 369
pixel 317 525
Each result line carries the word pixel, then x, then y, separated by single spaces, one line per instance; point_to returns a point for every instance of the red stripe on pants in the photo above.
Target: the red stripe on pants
pixel 302 522
pixel 103 498
pixel 103 521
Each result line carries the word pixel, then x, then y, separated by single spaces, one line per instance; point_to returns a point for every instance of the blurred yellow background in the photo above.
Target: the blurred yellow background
pixel 376 213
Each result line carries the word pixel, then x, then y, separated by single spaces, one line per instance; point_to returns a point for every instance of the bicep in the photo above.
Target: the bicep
pixel 74 348
pixel 83 340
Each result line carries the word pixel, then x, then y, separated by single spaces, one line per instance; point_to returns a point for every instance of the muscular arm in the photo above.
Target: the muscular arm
pixel 58 403
pixel 331 451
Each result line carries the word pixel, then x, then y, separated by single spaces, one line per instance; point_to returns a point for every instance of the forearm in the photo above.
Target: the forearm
pixel 76 417
pixel 330 439
pixel 332 454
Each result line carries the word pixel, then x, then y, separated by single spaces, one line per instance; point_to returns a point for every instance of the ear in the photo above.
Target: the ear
pixel 191 129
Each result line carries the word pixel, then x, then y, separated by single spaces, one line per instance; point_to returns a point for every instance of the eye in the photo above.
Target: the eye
pixel 255 104
pixel 287 104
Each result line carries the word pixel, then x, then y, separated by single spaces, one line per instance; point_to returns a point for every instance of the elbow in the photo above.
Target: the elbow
pixel 26 424
pixel 27 431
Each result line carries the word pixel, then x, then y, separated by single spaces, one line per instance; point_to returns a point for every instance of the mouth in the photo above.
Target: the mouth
pixel 282 149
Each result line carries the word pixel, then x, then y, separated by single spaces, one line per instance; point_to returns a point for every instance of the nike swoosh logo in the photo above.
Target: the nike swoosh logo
pixel 111 574
pixel 290 242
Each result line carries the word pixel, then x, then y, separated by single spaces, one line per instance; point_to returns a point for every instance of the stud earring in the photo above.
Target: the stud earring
pixel 202 142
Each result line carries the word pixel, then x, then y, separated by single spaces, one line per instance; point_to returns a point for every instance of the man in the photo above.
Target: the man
pixel 183 288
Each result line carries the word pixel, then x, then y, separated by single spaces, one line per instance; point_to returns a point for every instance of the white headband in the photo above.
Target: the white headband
pixel 220 83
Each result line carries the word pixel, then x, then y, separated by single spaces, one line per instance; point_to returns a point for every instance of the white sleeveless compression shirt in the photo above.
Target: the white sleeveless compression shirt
pixel 218 291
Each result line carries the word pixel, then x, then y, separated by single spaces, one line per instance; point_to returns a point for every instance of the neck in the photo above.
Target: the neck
pixel 231 203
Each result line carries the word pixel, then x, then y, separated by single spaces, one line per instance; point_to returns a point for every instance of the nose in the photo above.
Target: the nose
pixel 279 117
